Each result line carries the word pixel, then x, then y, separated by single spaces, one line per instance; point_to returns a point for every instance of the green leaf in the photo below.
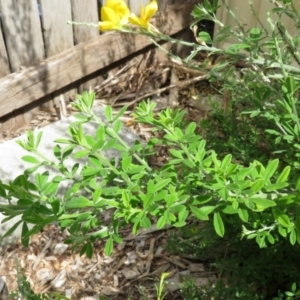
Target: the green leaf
pixel 55 206
pixel 294 287
pixel 271 239
pixel 284 174
pixel 293 237
pixel 255 34
pixel 230 210
pixel 41 180
pixel 276 186
pixel 81 153
pixel 258 185
pixel 30 159
pixel 262 204
pixel 201 199
pixel 205 37
pixel 191 128
pixel 161 184
pixel 120 112
pixel 100 133
pixel 161 222
pixel 189 163
pixel 270 169
pixel 64 141
pixel 78 202
pixel 176 153
pixel 297 223
pixel 2 190
pixel 67 151
pixel 109 144
pixel 38 138
pixel 182 216
pixel 126 162
pixel 25 229
pixel 208 209
pixel 282 218
pixel 83 250
pixel 75 169
pixel 282 231
pixel 97 194
pixel 171 137
pixel 89 250
pixel 243 214
pixel 117 126
pixel 57 151
pixel 199 213
pixel 218 224
pixel 226 161
pixel 145 223
pixel 108 113
pixel 88 171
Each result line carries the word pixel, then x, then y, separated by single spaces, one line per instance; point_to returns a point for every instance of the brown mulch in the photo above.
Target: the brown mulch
pixel 136 265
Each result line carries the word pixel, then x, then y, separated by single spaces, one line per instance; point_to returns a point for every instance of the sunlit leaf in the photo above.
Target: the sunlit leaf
pixel 218 224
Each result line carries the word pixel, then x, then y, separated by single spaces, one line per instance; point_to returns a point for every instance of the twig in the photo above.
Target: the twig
pixel 180 84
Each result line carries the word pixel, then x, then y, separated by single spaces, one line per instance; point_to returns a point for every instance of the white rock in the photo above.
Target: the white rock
pixel 60 248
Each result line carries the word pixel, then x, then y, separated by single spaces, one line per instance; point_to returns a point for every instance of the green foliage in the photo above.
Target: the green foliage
pixel 236 174
pixel 241 266
pixel 193 182
pixel 220 291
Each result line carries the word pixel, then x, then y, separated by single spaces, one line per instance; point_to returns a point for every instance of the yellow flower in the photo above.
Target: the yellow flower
pixel 146 14
pixel 114 15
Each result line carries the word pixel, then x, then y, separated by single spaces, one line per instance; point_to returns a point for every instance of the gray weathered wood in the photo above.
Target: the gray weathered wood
pixel 57 72
pixel 24 41
pixel 58 35
pixel 84 11
pixel 4 64
pixel 22 30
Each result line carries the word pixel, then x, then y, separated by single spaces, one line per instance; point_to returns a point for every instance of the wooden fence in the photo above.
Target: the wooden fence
pixel 42 57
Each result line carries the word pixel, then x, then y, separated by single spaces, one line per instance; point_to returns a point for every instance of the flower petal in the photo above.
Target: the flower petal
pixel 112 3
pixel 134 20
pixel 150 9
pixel 123 11
pixel 106 26
pixel 109 15
pixel 119 7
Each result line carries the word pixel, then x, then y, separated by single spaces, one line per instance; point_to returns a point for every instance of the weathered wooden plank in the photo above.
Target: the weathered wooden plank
pixel 85 11
pixel 22 31
pixel 58 35
pixel 24 41
pixel 55 73
pixel 4 64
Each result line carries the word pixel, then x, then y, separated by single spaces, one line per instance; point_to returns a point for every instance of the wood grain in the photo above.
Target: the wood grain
pixel 22 30
pixel 70 66
pixel 4 64
pixel 85 11
pixel 24 41
pixel 58 35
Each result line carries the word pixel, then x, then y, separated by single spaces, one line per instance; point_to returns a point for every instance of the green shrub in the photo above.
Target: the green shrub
pixel 244 185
